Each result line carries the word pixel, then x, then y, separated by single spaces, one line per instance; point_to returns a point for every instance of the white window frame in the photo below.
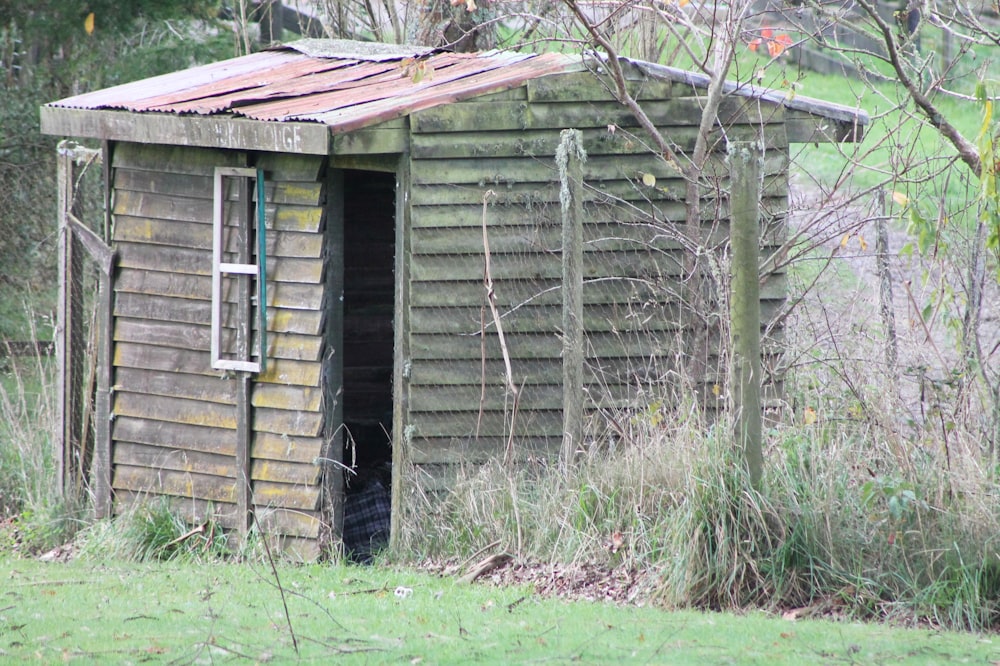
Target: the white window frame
pixel 256 271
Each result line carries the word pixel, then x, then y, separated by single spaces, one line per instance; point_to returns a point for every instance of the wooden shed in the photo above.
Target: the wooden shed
pixel 346 195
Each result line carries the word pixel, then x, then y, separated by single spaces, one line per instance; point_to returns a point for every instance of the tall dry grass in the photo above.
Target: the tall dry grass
pixel 28 424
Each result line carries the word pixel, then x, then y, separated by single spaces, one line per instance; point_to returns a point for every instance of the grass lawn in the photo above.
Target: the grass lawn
pixel 106 612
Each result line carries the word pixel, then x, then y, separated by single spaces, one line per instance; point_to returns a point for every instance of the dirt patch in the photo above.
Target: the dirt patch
pixel 575 581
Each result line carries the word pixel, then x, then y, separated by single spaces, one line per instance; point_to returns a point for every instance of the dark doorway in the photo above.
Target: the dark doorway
pixel 369 295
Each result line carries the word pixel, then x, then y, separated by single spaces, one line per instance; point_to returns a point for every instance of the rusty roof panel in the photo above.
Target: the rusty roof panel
pixel 285 73
pixel 342 92
pixel 354 117
pixel 128 95
pixel 395 85
pixel 346 72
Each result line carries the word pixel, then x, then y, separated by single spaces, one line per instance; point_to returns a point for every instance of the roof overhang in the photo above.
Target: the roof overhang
pixel 807 120
pixel 218 131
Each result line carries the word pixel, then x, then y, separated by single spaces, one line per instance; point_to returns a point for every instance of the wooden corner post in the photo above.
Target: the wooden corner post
pixel 570 157
pixel 746 160
pixel 74 441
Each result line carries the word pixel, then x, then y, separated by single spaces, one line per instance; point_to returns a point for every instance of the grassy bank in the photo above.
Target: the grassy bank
pixel 99 612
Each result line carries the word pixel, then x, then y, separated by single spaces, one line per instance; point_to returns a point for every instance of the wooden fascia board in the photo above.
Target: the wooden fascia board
pixel 809 120
pixel 201 131
pixel 805 127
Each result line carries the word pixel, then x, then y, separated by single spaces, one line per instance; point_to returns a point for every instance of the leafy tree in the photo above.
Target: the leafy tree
pixel 52 49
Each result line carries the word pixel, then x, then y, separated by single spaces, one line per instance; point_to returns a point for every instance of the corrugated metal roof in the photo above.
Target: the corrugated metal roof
pixel 350 85
pixel 345 88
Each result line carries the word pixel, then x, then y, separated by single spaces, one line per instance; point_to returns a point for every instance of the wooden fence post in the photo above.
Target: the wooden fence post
pixel 570 157
pixel 745 162
pixel 73 455
pixel 69 345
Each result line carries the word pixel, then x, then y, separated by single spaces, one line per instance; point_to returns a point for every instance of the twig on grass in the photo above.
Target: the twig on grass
pixel 454 569
pixel 489 564
pixel 200 529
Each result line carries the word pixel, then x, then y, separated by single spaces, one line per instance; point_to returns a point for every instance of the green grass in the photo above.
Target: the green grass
pixel 100 612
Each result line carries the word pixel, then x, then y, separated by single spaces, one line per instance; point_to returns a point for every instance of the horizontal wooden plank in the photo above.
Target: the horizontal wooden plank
pixel 284 296
pixel 174 435
pixel 273 446
pixel 192 511
pixel 805 127
pixel 470 372
pixel 501 171
pixel 296 398
pixel 470 451
pixel 542 143
pixel 597 236
pixel 285 422
pixel 174 410
pixel 212 488
pixel 648 318
pixel 638 210
pixel 591 87
pixel 527 423
pixel 175 385
pixel 192 311
pixel 165 209
pixel 140 354
pixel 196 235
pixel 286 496
pixel 630 292
pixel 303 527
pixel 494 398
pixel 201 186
pixel 296 523
pixel 371 142
pixel 191 130
pixel 289 372
pixel 291 165
pixel 534 346
pixel 197 412
pixel 172 158
pixel 538 264
pixel 433 373
pixel 170 259
pixel 278 471
pixel 499 116
pixel 192 336
pixel 529 194
pixel 181 460
pixel 180 484
pixel 159 457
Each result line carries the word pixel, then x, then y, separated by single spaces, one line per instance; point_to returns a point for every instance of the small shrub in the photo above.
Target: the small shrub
pixel 152 531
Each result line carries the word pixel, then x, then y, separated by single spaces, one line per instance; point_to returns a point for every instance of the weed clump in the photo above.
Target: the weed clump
pixel 838 528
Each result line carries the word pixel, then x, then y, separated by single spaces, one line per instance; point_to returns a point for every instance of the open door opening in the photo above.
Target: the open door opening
pixel 369 295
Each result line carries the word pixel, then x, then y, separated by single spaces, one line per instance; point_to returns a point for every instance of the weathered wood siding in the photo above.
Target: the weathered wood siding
pixel 174 417
pixel 457 405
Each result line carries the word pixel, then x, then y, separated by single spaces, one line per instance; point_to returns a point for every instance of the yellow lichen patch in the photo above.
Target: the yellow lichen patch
pixel 292 398
pixel 298 218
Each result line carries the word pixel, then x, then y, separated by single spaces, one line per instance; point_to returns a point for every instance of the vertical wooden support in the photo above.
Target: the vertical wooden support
pixel 570 157
pixel 886 308
pixel 70 350
pixel 333 361
pixel 746 160
pixel 244 332
pixel 101 480
pixel 401 355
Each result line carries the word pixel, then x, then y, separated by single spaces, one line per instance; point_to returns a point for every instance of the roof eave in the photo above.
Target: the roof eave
pixel 214 131
pixel 810 120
